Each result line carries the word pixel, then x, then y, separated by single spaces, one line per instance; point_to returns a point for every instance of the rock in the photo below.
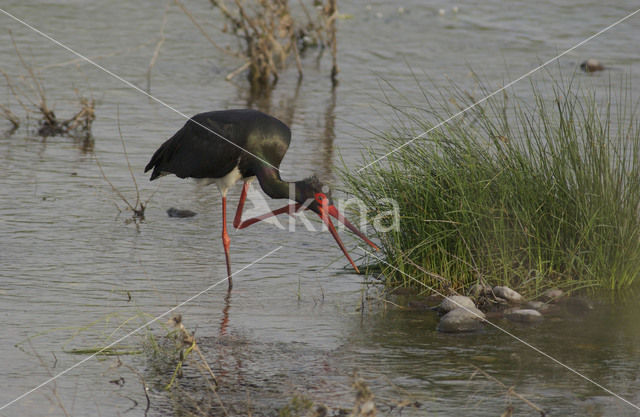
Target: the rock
pixel 526 315
pixel 552 294
pixel 479 289
pixel 461 320
pixel 536 305
pixel 174 212
pixel 456 301
pixel 591 65
pixel 508 294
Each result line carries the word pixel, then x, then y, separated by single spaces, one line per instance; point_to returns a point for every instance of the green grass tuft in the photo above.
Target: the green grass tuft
pixel 529 194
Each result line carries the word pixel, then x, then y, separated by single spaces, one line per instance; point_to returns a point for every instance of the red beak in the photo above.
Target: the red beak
pixel 335 213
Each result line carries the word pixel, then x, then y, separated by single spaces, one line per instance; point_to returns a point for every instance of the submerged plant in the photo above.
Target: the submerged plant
pixel 525 194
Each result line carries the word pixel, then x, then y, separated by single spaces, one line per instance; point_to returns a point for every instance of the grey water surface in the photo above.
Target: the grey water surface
pixel 74 274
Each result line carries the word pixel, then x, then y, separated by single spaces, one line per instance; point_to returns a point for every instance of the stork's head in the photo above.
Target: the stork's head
pixel 315 196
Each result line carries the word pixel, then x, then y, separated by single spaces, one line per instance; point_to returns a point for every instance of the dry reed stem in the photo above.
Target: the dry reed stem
pixel 126 157
pixel 139 208
pixel 156 51
pixel 10 116
pixel 13 91
pixel 204 33
pixel 142 381
pixel 53 387
pixel 113 187
pixel 331 13
pixel 40 90
pixel 188 340
pixel 237 71
pixel 445 282
pixel 297 55
pixel 49 123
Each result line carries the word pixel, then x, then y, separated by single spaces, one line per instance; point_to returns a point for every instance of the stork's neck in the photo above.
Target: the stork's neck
pixel 273 185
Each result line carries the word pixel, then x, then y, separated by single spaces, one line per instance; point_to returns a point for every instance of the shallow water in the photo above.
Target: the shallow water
pixel 73 270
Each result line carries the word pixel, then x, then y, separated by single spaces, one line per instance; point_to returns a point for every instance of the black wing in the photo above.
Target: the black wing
pixel 195 151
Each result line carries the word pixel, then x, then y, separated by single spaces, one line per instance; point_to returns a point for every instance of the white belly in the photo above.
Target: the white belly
pixel 223 183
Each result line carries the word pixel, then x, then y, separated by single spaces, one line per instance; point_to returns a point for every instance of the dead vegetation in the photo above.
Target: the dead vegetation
pixel 180 367
pixel 138 207
pixel 171 355
pixel 268 33
pixel 158 47
pixel 179 371
pixel 186 343
pixel 27 89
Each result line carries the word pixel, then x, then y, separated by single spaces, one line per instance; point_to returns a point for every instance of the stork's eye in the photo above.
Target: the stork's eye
pixel 321 198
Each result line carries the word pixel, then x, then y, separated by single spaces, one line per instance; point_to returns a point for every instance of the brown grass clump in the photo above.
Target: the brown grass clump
pixel 269 33
pixel 30 95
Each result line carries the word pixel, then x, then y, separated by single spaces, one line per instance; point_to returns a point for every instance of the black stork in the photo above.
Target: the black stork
pixel 231 145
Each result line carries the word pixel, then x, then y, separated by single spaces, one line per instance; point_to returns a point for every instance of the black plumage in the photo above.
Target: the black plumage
pixel 213 145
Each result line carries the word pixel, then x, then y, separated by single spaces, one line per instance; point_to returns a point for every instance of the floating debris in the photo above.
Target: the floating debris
pixel 591 65
pixel 180 213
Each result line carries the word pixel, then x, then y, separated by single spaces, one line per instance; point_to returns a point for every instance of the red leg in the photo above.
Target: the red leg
pixel 289 208
pixel 225 239
pixel 238 218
